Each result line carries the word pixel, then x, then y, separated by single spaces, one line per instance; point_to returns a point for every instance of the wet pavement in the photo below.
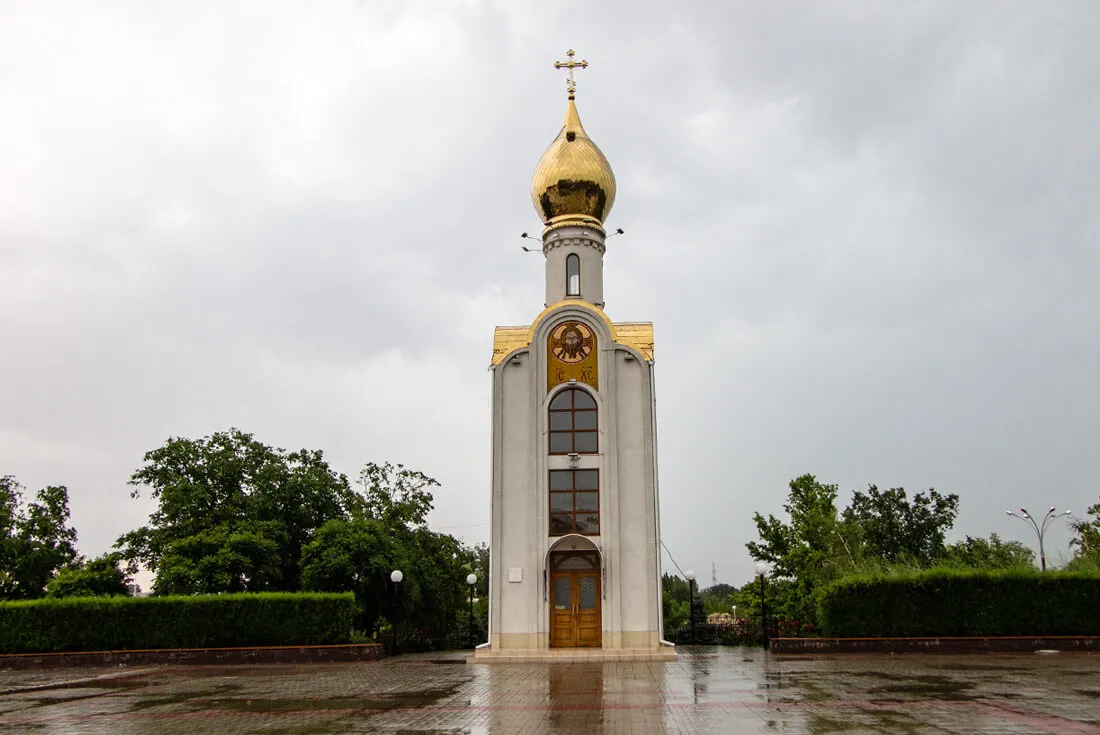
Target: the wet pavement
pixel 708 690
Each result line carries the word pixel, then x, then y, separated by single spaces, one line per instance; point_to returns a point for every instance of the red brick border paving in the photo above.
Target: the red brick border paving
pixel 196 656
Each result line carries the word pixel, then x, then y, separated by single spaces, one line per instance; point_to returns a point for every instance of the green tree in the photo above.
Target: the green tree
pixel 99 577
pixel 356 556
pixel 674 592
pixel 478 560
pixel 389 531
pixel 784 598
pixel 747 600
pixel 1086 540
pixel 395 495
pixel 434 590
pixel 676 614
pixel 232 514
pixel 676 602
pixel 812 548
pixel 359 555
pixel 717 598
pixel 893 528
pixel 36 539
pixel 818 544
pixel 809 545
pixel 229 557
pixel 991 553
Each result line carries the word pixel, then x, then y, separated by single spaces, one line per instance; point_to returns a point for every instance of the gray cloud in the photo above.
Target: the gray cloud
pixel 865 233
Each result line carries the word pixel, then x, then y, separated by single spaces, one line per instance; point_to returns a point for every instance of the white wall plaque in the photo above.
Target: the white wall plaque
pixel 515 574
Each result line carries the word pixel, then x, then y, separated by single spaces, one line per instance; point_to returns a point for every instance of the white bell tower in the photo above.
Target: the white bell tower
pixel 575 541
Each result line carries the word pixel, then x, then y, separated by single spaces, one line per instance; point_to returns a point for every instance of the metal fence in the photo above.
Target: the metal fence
pixel 735 633
pixel 457 636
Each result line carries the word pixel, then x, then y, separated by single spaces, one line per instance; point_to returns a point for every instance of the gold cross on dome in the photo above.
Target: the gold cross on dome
pixel 571 85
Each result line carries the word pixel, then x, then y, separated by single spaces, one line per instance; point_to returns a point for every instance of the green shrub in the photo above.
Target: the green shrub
pixel 201 621
pixel 945 602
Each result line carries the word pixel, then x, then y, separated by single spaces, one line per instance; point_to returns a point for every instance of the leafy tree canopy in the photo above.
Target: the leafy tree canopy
pixel 395 495
pixel 991 553
pixel 99 577
pixel 807 545
pixel 36 539
pixel 1086 540
pixel 720 592
pixel 232 514
pixel 353 555
pixel 236 515
pixel 818 543
pixel 893 528
pixel 359 554
pixel 477 558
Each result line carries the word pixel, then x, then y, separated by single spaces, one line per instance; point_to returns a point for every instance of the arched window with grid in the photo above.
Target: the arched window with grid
pixel 574 426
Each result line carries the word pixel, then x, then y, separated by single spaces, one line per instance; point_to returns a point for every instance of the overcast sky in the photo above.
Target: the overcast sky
pixel 866 232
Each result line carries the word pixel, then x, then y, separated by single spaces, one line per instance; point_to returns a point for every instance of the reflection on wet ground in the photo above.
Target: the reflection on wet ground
pixel 707 690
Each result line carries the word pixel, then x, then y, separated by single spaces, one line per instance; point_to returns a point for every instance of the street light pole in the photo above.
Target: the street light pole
pixel 1040 528
pixel 691 602
pixel 395 576
pixel 471 579
pixel 762 570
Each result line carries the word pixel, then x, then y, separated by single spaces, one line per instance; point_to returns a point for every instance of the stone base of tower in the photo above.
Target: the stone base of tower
pixel 524 647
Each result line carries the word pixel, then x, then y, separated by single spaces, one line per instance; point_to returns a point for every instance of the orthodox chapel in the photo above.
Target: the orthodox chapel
pixel 575 537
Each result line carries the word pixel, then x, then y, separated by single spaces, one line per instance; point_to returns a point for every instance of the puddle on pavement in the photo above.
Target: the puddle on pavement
pixel 809 689
pixel 347 724
pixel 891 721
pixel 141 702
pixel 920 686
pixel 823 724
pixel 979 667
pixel 52 696
pixel 216 699
pixel 948 690
pixel 123 681
pixel 149 702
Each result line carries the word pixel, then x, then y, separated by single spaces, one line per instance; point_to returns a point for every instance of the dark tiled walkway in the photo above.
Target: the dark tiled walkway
pixel 709 690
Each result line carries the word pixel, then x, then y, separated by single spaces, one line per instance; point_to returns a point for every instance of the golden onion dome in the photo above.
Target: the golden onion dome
pixel 573 182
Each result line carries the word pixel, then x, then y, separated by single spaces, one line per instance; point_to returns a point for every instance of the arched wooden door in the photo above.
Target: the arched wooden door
pixel 576 619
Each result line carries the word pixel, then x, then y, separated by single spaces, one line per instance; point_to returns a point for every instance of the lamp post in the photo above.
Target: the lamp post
pixel 395 576
pixel 762 571
pixel 471 579
pixel 1040 528
pixel 691 602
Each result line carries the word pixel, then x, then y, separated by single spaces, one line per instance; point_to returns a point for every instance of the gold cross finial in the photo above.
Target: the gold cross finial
pixel 571 85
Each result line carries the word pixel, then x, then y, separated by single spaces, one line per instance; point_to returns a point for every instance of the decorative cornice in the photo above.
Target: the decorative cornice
pixel 586 242
pixel 574 221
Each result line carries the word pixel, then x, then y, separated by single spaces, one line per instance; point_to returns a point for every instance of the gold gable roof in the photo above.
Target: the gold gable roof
pixel 637 335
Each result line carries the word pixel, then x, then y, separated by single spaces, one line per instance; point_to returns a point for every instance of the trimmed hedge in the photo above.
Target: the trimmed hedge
pixel 202 621
pixel 942 602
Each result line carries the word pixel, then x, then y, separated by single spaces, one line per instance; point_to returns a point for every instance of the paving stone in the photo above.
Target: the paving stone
pixel 707 690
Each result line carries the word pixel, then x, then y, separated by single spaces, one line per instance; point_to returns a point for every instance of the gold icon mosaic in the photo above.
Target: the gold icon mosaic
pixel 572 355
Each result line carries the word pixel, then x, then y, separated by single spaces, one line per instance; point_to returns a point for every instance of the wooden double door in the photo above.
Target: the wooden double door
pixel 576 619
